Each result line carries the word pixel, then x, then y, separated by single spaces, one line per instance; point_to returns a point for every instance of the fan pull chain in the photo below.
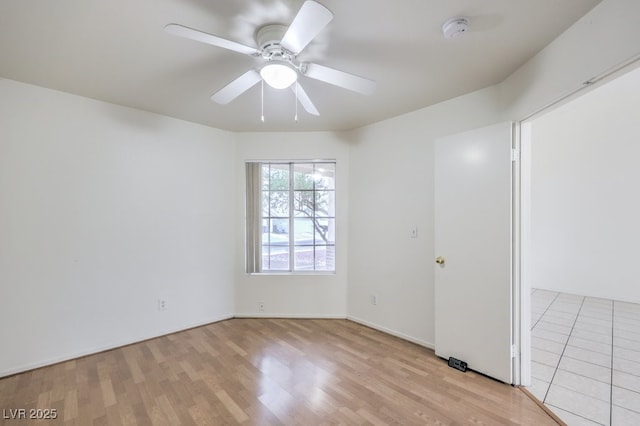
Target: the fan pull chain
pixel 296 101
pixel 262 99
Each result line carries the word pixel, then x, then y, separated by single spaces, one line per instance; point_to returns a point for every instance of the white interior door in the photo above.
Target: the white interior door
pixel 473 216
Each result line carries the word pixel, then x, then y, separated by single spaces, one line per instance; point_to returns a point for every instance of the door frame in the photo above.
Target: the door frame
pixel 519 316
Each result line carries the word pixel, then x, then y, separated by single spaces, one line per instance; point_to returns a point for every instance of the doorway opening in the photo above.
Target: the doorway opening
pixel 579 231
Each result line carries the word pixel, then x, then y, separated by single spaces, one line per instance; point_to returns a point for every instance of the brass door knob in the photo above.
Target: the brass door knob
pixel 440 260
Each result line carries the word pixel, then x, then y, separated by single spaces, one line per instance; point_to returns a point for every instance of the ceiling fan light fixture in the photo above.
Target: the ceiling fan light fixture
pixel 278 75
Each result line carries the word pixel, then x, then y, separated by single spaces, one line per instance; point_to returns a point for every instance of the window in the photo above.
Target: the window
pixel 291 216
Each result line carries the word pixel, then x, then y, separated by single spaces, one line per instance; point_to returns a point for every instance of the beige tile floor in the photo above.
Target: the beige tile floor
pixel 586 358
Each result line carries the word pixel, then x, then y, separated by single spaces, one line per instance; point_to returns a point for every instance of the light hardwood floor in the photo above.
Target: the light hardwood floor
pixel 267 372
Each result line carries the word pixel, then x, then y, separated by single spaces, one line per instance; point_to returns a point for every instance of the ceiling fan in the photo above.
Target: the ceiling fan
pixel 280 46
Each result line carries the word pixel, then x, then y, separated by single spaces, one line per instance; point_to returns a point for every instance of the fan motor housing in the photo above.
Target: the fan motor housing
pixel 268 38
pixel 270 35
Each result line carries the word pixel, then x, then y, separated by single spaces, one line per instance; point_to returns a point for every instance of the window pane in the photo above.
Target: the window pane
pixel 325 203
pixel 325 231
pixel 279 177
pixel 265 258
pixel 265 176
pixel 303 203
pixel 325 259
pixel 275 258
pixel 303 176
pixel 279 203
pixel 265 203
pixel 303 258
pixel 303 232
pixel 279 230
pixel 324 176
pixel 265 231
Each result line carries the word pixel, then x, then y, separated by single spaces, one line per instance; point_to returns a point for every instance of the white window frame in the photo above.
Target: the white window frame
pixel 254 222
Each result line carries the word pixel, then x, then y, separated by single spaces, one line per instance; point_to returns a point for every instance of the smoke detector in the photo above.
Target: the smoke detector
pixel 455 27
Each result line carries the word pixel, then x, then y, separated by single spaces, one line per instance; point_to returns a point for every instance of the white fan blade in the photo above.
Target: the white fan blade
pixel 237 87
pixel 190 33
pixel 304 99
pixel 310 20
pixel 341 78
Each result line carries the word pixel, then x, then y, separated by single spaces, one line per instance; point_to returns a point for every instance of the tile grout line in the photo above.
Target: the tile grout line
pixel 577 415
pixel 545 311
pixel 555 371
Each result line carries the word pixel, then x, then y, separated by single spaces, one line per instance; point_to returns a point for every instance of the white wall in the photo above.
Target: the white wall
pixel 103 210
pixel 585 204
pixel 317 296
pixel 391 190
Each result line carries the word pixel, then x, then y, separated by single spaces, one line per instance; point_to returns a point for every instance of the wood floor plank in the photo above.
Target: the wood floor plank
pixel 268 372
pixel 70 405
pixel 231 405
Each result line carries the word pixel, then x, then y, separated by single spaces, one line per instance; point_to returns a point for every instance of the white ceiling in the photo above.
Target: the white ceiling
pixel 117 51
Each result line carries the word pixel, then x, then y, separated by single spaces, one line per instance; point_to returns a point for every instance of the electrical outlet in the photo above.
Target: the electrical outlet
pixel 414 231
pixel 162 305
pixel 261 306
pixel 374 299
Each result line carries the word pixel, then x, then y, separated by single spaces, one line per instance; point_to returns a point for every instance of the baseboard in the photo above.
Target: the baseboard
pixel 546 409
pixel 70 356
pixel 289 316
pixel 403 336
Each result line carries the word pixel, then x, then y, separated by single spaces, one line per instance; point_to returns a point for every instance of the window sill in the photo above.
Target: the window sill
pixel 311 273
